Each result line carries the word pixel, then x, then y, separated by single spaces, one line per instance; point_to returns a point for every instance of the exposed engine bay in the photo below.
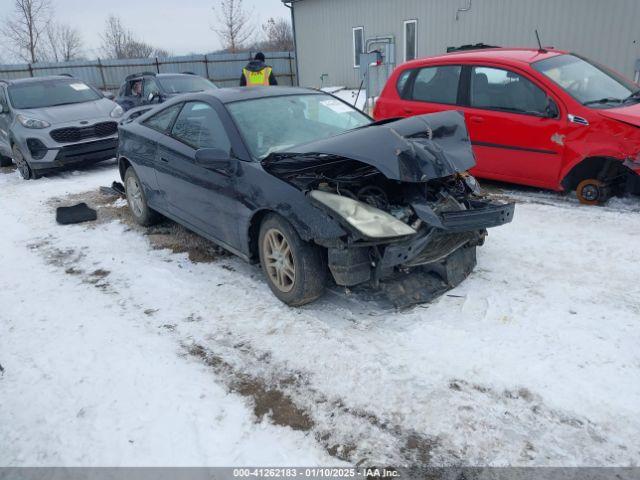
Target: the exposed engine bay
pixel 402 191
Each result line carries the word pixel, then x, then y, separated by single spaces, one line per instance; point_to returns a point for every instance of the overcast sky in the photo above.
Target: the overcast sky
pixel 179 26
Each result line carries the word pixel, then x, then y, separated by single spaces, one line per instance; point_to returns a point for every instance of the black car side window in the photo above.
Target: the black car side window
pixel 498 89
pixel 162 121
pixel 437 84
pixel 199 126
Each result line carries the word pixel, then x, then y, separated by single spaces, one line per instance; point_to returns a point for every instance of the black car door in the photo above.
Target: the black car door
pixel 202 197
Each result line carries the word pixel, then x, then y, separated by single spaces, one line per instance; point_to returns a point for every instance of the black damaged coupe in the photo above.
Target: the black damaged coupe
pixel 314 190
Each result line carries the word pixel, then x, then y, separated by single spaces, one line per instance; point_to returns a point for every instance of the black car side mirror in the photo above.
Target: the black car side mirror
pixel 214 158
pixel 551 111
pixel 153 96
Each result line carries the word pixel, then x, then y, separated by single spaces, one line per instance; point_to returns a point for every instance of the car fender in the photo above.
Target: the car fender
pixel 602 138
pixel 278 196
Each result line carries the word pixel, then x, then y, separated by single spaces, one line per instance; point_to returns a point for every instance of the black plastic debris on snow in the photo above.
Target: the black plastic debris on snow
pixel 116 188
pixel 75 214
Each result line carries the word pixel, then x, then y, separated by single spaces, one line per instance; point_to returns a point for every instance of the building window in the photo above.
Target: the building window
pixel 410 40
pixel 358 45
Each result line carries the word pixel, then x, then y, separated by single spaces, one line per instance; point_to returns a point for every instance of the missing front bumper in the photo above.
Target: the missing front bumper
pixel 424 266
pixel 421 284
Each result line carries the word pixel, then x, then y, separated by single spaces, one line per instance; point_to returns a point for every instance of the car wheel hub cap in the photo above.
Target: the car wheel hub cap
pixel 590 192
pixel 279 260
pixel 135 196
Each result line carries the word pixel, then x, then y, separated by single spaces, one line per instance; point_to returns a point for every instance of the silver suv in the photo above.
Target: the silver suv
pixel 48 123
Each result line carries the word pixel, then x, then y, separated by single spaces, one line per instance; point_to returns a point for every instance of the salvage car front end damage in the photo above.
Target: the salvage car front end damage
pixel 401 190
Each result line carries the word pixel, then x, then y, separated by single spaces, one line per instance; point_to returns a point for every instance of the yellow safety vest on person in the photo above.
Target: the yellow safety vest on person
pixel 256 79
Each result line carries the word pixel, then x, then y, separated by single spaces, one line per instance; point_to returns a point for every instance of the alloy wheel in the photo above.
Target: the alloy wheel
pixel 134 195
pixel 279 261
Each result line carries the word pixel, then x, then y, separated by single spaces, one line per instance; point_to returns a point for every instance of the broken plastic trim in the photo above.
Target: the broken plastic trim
pixel 369 221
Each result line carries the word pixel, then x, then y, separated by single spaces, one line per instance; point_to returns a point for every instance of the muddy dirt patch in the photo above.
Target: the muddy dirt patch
pixel 267 401
pixel 166 235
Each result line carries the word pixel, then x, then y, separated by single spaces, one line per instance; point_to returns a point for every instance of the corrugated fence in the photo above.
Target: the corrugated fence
pixel 223 69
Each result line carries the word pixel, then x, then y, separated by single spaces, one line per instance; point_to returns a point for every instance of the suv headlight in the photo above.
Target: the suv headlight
pixel 117 112
pixel 29 122
pixel 371 222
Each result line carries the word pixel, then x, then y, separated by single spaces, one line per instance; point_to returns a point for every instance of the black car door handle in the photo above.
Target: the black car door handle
pixel 162 159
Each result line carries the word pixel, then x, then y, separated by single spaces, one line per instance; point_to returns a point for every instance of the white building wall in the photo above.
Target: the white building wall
pixel 607 31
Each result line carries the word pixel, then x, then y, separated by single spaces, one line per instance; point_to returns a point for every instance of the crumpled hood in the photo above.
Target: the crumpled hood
pixel 72 113
pixel 415 149
pixel 627 114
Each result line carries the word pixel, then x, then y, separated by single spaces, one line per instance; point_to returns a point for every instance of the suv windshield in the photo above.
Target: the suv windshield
pixel 588 83
pixel 50 93
pixel 184 84
pixel 276 123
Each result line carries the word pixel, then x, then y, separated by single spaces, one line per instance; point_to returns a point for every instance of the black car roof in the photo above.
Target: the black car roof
pixel 235 94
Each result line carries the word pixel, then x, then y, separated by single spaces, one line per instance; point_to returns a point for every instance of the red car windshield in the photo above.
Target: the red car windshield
pixel 587 82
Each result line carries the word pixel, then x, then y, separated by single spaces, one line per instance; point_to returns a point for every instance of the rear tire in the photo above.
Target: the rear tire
pixel 142 214
pixel 592 192
pixel 24 168
pixel 295 270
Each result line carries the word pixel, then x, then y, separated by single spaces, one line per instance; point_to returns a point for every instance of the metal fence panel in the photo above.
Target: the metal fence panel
pixel 224 69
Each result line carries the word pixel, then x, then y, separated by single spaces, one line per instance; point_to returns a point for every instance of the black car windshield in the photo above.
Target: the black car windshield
pixel 587 82
pixel 184 84
pixel 50 93
pixel 276 123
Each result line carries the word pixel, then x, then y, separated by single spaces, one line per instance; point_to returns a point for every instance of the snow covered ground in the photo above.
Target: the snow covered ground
pixel 117 353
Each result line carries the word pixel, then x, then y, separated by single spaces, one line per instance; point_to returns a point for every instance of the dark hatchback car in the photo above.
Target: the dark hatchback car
pixel 150 88
pixel 307 185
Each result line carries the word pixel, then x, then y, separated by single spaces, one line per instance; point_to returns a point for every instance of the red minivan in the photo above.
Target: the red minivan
pixel 544 118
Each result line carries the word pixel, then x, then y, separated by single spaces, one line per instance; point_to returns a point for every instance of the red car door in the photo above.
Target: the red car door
pixel 517 131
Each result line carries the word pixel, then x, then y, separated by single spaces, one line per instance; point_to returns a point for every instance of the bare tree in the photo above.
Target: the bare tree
pixel 137 49
pixel 234 27
pixel 279 34
pixel 115 38
pixel 161 53
pixel 25 27
pixel 120 42
pixel 65 42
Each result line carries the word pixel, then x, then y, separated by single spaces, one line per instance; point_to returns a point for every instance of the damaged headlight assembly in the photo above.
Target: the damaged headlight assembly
pixel 369 221
pixel 472 183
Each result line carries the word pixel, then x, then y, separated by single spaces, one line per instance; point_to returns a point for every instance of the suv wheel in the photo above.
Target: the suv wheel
pixel 137 201
pixel 295 270
pixel 23 166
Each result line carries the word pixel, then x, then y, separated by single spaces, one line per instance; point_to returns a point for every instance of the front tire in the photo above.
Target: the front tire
pixel 23 166
pixel 295 270
pixel 142 214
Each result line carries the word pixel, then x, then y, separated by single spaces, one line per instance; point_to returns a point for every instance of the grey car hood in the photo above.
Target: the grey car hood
pixel 415 149
pixel 72 113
